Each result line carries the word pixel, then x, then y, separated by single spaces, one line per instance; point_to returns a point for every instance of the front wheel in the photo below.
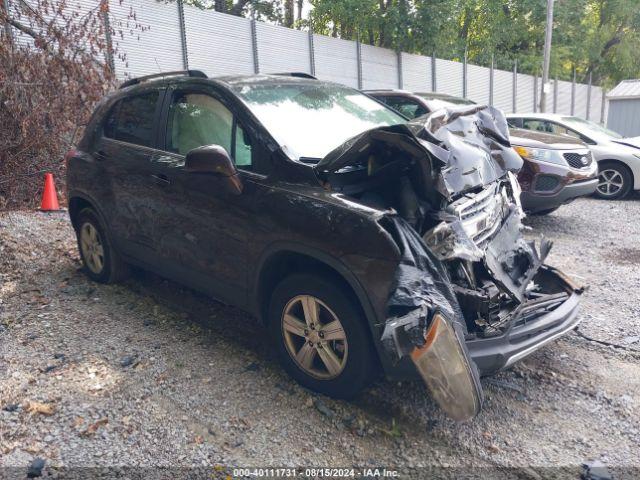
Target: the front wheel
pixel 614 181
pixel 321 336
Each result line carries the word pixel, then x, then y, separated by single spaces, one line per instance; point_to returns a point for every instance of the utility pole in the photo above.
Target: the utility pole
pixel 547 56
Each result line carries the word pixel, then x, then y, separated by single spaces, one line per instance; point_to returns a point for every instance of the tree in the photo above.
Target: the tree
pixel 52 72
pixel 288 13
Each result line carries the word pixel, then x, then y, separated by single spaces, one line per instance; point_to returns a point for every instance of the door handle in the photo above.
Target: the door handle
pixel 160 179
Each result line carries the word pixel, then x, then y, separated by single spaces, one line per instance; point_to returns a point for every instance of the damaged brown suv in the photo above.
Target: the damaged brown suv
pixel 362 242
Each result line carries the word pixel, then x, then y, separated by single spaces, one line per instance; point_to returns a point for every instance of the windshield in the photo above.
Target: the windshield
pixel 309 120
pixel 581 125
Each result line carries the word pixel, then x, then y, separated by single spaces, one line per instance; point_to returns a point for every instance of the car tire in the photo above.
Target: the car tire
pixel 614 180
pixel 101 262
pixel 339 369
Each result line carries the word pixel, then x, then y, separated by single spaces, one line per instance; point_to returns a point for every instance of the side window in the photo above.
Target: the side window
pixel 537 125
pixel 560 130
pixel 197 119
pixel 242 148
pixel 409 108
pixel 131 119
pixel 514 122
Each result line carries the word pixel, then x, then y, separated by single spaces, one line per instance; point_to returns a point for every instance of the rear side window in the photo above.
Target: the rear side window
pixel 131 119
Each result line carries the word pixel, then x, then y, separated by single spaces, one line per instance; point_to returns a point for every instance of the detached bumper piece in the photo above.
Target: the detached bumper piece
pixel 444 365
pixel 441 359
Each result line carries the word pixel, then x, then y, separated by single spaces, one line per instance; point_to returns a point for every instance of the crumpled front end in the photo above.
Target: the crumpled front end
pixel 465 273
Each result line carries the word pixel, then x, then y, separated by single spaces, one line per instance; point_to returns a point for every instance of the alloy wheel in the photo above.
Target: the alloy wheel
pixel 314 337
pixel 92 248
pixel 610 182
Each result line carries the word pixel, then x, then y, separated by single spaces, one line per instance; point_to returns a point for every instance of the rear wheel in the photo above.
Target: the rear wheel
pixel 614 180
pixel 101 262
pixel 321 337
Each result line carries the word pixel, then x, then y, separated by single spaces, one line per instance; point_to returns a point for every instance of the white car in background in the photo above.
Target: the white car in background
pixel 618 157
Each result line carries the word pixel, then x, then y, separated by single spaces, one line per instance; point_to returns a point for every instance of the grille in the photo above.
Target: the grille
pixel 575 160
pixel 482 215
pixel 546 183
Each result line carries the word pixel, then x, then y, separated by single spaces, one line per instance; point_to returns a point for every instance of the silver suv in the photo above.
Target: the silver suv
pixel 618 159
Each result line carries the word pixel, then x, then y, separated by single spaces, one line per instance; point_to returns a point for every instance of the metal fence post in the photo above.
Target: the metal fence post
pixel 573 92
pixel 434 84
pixel 514 92
pixel 312 55
pixel 109 41
pixel 603 106
pixel 464 76
pixel 183 35
pixel 535 93
pixel 254 47
pixel 589 97
pixel 359 61
pixel 399 64
pixel 491 82
pixel 555 95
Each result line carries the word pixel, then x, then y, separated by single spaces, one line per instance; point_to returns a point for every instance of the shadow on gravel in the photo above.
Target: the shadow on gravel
pixel 625 256
pixel 554 222
pixel 223 321
pixel 409 402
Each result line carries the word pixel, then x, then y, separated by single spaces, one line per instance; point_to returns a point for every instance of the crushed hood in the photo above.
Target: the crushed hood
pixel 455 149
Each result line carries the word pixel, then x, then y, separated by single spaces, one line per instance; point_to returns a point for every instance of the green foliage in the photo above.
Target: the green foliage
pixel 600 38
pixel 597 37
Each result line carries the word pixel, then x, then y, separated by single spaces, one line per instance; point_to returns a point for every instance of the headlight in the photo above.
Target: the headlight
pixel 540 155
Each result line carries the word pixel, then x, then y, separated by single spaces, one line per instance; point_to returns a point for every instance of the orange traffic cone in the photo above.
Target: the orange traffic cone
pixel 49 196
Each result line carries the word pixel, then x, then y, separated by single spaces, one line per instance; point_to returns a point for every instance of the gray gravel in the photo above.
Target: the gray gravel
pixel 148 373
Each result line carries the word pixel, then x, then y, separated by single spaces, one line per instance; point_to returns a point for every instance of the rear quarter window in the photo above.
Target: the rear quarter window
pixel 131 119
pixel 514 122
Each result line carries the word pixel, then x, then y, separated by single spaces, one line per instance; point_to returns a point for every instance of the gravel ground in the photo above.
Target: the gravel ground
pixel 149 374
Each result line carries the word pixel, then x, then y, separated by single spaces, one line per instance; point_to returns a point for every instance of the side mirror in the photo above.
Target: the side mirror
pixel 214 159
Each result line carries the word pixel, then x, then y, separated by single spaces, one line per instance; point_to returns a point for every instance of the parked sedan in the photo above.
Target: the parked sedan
pixel 618 158
pixel 556 169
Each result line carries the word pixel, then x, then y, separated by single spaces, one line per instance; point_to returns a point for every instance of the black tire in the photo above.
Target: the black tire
pixel 608 168
pixel 361 363
pixel 545 212
pixel 114 269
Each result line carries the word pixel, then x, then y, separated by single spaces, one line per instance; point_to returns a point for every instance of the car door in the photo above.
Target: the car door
pixel 202 232
pixel 124 151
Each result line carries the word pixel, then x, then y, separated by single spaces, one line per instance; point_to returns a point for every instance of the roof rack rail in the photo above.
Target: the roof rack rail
pixel 296 74
pixel 188 73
